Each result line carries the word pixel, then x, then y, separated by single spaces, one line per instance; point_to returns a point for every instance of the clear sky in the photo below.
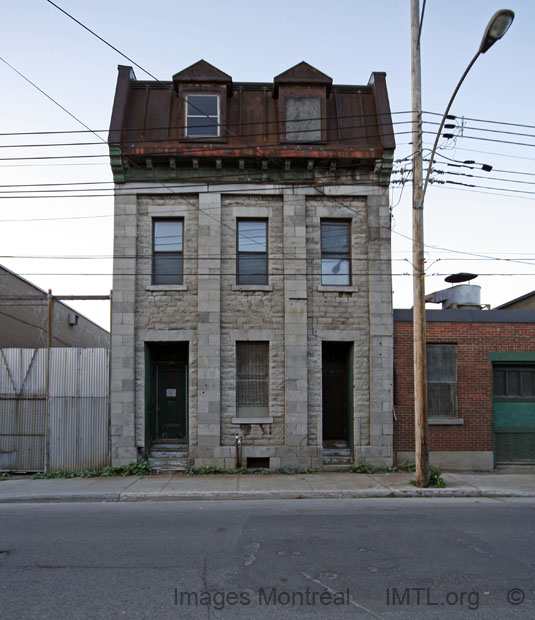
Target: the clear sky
pixel 65 242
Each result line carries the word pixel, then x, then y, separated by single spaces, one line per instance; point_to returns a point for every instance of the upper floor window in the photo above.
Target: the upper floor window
pixel 442 380
pixel 167 255
pixel 202 116
pixel 252 252
pixel 303 119
pixel 335 253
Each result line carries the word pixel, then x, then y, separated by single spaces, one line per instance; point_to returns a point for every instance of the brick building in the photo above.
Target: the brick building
pixel 252 278
pixel 481 387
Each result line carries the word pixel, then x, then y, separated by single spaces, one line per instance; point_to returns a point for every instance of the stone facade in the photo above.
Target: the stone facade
pixel 294 313
pixel 253 152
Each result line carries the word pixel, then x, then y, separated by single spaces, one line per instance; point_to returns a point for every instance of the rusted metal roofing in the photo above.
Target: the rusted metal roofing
pixel 149 118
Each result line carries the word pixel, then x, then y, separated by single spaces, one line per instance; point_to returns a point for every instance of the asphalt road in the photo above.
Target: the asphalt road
pixel 362 558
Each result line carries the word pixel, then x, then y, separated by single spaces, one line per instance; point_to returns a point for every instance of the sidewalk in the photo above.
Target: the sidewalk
pixel 254 486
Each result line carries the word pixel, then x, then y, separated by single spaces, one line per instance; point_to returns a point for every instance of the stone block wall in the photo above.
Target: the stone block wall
pixel 293 312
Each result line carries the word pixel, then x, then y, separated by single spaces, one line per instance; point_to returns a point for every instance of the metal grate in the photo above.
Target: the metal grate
pixel 252 366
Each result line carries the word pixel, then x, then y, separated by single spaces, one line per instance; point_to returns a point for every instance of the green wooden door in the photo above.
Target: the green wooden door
pixel 171 401
pixel 514 414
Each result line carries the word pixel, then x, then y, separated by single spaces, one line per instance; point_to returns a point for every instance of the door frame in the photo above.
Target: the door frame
pixel 348 352
pixel 176 352
pixel 182 366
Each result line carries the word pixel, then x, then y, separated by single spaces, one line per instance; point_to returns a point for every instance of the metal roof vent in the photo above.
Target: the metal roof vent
pixel 460 297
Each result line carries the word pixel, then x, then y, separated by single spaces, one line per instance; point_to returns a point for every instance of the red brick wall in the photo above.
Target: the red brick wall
pixel 474 380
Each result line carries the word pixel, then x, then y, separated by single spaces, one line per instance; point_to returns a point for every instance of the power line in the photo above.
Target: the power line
pixel 148 73
pixel 274 275
pixel 480 120
pixel 49 97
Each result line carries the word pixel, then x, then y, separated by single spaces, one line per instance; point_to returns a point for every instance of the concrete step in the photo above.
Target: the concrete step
pixel 339 452
pixel 167 463
pixel 337 460
pixel 163 454
pixel 168 456
pixel 168 445
pixel 335 443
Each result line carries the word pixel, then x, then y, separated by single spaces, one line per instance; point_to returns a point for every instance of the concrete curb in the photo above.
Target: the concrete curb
pixel 265 495
pixel 302 486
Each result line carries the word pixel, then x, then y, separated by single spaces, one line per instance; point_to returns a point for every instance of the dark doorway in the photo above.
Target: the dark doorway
pixel 166 392
pixel 337 388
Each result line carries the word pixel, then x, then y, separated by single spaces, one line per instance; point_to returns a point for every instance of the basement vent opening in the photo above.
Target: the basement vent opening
pixel 257 461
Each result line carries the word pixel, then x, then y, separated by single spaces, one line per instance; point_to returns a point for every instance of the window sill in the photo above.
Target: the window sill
pixel 446 421
pixel 268 288
pixel 252 420
pixel 204 139
pixel 167 287
pixel 338 289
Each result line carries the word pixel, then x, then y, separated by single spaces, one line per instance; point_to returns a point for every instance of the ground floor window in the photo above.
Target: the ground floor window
pixel 252 374
pixel 442 380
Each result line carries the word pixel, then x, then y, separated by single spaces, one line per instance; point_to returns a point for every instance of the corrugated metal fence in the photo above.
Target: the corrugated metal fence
pixel 53 413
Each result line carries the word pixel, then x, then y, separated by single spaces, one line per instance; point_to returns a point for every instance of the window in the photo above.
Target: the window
pixel 335 253
pixel 252 252
pixel 303 119
pixel 442 380
pixel 514 383
pixel 252 373
pixel 202 116
pixel 167 252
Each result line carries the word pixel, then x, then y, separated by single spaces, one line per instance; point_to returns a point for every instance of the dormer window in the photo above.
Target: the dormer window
pixel 202 116
pixel 302 92
pixel 303 119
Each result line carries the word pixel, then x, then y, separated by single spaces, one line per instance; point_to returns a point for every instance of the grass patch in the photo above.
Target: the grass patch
pixel 361 468
pixel 204 470
pixel 436 480
pixel 132 469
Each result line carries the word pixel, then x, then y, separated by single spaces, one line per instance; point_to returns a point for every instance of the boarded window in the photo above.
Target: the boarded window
pixel 202 116
pixel 252 252
pixel 303 119
pixel 442 380
pixel 167 256
pixel 252 371
pixel 514 382
pixel 335 253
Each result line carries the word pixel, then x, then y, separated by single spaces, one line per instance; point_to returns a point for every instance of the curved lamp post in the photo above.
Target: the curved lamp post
pixel 498 25
pixel 496 28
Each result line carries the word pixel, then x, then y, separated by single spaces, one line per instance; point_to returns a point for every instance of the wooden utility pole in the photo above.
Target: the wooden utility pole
pixel 418 260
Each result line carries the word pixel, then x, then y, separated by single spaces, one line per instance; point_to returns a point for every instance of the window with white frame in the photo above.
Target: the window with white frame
pixel 335 252
pixel 252 256
pixel 167 255
pixel 252 379
pixel 202 116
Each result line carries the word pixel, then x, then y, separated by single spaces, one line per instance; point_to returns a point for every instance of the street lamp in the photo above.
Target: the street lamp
pixel 496 28
pixel 498 25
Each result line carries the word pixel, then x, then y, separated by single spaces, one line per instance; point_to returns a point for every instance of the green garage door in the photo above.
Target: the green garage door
pixel 514 413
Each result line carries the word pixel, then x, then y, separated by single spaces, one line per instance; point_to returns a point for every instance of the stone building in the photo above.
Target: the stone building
pixel 252 278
